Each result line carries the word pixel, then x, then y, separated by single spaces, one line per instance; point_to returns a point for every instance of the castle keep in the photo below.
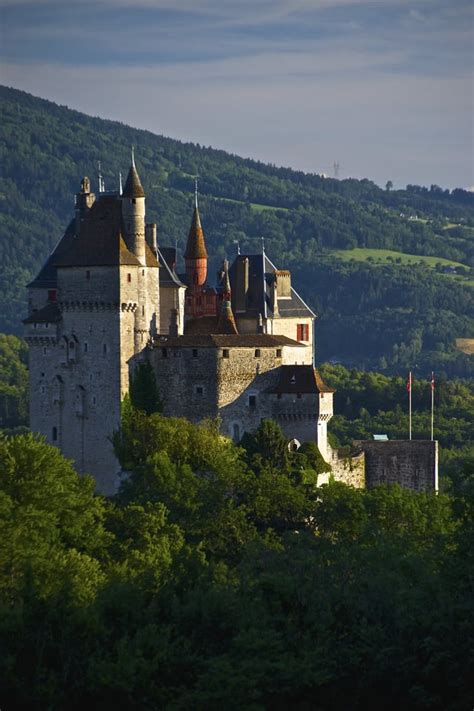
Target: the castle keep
pixel 109 297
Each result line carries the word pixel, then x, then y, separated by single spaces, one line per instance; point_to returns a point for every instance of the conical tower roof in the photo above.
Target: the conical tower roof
pixel 133 186
pixel 195 246
pixel 226 323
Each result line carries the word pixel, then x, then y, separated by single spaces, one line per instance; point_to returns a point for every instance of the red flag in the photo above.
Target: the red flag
pixel 409 381
pixel 432 382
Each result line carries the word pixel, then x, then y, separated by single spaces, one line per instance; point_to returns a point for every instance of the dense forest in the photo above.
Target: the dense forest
pixel 222 577
pixel 377 309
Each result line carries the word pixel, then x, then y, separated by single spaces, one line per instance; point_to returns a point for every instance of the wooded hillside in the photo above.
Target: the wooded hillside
pixel 389 313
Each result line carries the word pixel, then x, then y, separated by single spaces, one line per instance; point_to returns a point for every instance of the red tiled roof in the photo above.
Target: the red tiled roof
pixel 300 379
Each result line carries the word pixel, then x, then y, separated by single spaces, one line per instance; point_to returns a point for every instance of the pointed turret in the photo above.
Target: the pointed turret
pixel 226 323
pixel 195 255
pixel 133 186
pixel 133 213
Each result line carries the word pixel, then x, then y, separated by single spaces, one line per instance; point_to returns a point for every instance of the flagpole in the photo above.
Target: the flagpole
pixel 409 403
pixel 432 405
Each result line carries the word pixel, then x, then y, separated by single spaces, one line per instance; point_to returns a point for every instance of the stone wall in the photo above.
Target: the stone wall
pixel 186 380
pixel 412 464
pixel 347 466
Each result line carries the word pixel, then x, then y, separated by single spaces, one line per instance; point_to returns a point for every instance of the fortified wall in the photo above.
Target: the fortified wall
pixel 412 464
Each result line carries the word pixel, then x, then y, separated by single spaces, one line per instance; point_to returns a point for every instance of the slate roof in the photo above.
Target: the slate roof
pixel 168 276
pixel 195 246
pixel 46 279
pixel 299 379
pixel 48 314
pixel 259 295
pixel 99 243
pixel 217 340
pixel 133 186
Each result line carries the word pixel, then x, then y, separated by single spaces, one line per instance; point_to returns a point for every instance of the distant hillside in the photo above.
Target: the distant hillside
pixel 389 312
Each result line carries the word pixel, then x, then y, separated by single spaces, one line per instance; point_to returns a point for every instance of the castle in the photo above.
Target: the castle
pixel 109 297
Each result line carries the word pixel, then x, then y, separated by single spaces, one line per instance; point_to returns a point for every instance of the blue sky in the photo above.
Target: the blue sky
pixel 383 87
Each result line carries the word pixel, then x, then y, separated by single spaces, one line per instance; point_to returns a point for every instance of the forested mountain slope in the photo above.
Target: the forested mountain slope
pixel 373 312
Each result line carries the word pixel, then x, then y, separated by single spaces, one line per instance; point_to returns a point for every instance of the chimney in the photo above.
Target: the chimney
pixel 150 236
pixel 242 284
pixel 283 282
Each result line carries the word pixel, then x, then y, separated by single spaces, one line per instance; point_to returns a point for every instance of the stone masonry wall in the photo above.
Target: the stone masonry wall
pixel 348 467
pixel 412 464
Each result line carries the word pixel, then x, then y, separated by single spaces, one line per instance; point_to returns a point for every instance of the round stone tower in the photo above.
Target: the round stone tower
pixel 133 213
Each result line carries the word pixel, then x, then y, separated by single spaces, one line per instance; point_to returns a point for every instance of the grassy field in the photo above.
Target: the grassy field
pixel 383 256
pixel 254 205
pixel 466 345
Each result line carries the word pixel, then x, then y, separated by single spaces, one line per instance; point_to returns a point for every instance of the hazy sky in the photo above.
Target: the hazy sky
pixel 384 87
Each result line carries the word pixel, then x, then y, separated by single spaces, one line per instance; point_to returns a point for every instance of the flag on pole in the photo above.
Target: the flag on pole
pixel 432 383
pixel 409 385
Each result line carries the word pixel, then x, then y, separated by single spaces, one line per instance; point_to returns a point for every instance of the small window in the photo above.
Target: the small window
pixel 293 380
pixel 143 309
pixel 55 434
pixel 298 395
pixel 104 348
pixel 257 353
pixel 134 201
pixel 72 345
pixel 195 353
pixel 143 272
pixel 252 402
pixel 88 275
pixel 129 277
pixel 199 390
pixel 278 353
pixel 94 400
pixel 236 432
pixel 86 347
pixel 164 352
pixel 302 332
pixel 46 325
pixel 45 351
pixel 225 353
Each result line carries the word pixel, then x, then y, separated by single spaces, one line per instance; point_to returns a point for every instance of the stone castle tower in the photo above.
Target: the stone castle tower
pixel 93 306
